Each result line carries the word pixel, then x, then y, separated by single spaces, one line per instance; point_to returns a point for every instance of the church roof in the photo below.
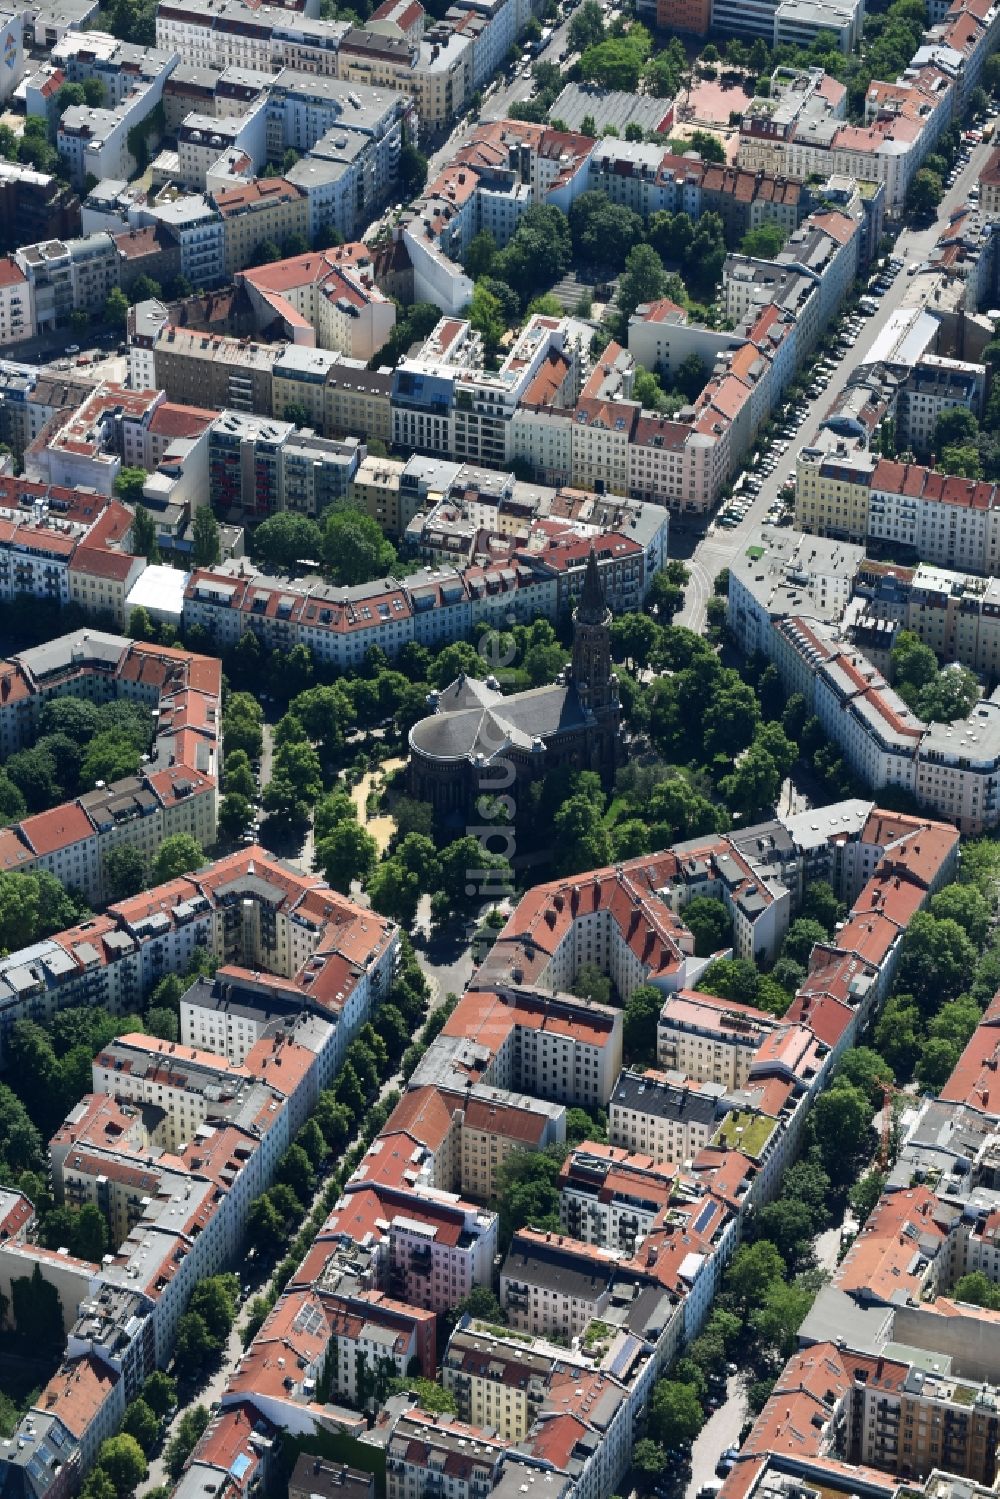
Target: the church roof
pixel 467 692
pixel 512 722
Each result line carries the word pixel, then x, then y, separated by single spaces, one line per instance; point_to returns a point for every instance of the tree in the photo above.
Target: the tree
pixel 163 1023
pixel 603 232
pixel 297 765
pixel 480 255
pixel 801 938
pixel 591 983
pixel 865 1070
pixel 116 307
pixel 711 924
pixel 235 813
pixel 587 26
pixel 950 696
pixel 964 905
pixel 913 664
pixel 296 1169
pixel 581 836
pixel 732 719
pixel 160 1393
pixel 937 1062
pixel 820 904
pixel 527 1190
pixel 145 289
pixel 485 313
pixel 193 1345
pixel 33 772
pixel 125 872
pixel 614 63
pixel 754 1268
pixel 412 170
pixel 759 57
pixel 348 853
pixel 177 855
pixel 777 1320
pixel 957 425
pixel 141 1423
pixel 90 1234
pixel 935 959
pixel 639 1024
pixel 841 1119
pixel 430 1395
pixel 121 1458
pixel 285 539
pixel 190 1427
pixel 764 242
pixel 899 1033
pixel 538 254
pixel 242 723
pixel 643 280
pixel 865 1194
pixel 807 1182
pixel 214 1300
pixel 482 1304
pixel 675 1414
pixel 976 1289
pixel 20 1140
pixel 708 147
pixel 355 548
pixel 205 538
pixel 925 193
pixel 754 785
pixel 789 1224
pixel 110 756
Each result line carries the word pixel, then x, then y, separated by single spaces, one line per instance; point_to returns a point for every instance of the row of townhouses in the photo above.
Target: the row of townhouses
pixel 597 1310
pixel 814 606
pixel 895 1382
pixel 176 1139
pixel 176 787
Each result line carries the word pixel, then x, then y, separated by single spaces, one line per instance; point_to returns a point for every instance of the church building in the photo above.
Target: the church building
pixel 477 742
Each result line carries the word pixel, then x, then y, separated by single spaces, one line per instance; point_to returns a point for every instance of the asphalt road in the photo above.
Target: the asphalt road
pixel 499 95
pixel 721 1430
pixel 720 546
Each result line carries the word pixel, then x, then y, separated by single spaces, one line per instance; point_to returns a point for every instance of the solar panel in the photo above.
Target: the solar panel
pixel 703 1217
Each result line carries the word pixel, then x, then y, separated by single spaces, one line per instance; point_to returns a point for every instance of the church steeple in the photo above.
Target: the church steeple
pixel 592 607
pixel 596 686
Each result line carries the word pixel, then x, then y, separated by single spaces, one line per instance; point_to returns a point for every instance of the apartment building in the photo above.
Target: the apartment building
pixel 65 276
pixel 17 319
pixel 612 1198
pixel 499 1383
pixel 433 1248
pixel 422 1445
pixel 672 1122
pixel 265 209
pixel 211 369
pixel 710 1040
pixel 549 1045
pixel 35 206
pixel 326 301
pixel 93 141
pixel 550 1283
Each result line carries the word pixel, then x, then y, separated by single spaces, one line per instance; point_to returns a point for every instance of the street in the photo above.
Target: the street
pixel 211 1392
pixel 721 1430
pixel 498 96
pixel 719 547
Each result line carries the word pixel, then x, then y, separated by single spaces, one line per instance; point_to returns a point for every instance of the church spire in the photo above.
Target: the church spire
pixel 591 668
pixel 592 609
